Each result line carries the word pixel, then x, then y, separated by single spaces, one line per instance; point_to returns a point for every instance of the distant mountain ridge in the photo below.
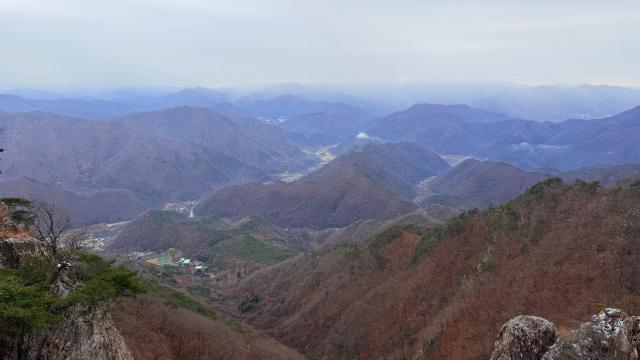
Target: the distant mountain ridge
pixel 310 122
pixel 559 103
pixel 101 109
pixel 323 122
pixel 478 184
pixel 254 143
pixel 484 181
pixel 99 206
pixel 94 109
pixel 573 144
pixel 452 129
pixel 607 175
pixel 530 145
pixel 539 103
pixel 83 156
pixel 290 105
pixel 373 182
pixel 185 152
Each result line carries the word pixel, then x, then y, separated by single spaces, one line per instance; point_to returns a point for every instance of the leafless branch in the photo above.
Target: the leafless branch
pixel 50 224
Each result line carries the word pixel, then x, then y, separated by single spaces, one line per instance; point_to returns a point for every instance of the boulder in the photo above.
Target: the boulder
pixel 610 335
pixel 524 337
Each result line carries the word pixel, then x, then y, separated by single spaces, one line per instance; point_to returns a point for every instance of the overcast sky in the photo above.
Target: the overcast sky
pixel 112 43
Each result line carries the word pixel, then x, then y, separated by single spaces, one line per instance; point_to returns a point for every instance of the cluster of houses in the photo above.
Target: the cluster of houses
pixel 185 207
pixel 95 243
pixel 195 266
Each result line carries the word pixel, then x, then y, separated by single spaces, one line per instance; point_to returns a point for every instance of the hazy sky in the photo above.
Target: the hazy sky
pixel 110 43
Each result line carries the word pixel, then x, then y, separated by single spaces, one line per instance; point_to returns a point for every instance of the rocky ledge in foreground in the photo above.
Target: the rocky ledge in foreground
pixel 610 335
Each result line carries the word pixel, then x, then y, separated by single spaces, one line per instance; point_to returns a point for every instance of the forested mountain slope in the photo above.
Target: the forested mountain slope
pixel 556 251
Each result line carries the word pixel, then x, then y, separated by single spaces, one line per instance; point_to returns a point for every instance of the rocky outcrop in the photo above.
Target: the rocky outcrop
pixel 524 337
pixel 13 249
pixel 8 227
pixel 83 334
pixel 16 241
pixel 610 335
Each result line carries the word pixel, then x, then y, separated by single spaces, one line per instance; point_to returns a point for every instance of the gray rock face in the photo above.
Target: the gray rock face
pixel 610 335
pixel 524 337
pixel 83 334
pixel 13 249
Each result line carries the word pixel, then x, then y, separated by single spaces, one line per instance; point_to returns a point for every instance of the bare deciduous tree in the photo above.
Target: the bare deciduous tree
pixel 50 224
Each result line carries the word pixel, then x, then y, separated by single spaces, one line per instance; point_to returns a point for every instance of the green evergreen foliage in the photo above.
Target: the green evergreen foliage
pixel 430 236
pixel 590 188
pixel 36 271
pixel 351 250
pixel 380 241
pixel 504 217
pixel 426 244
pixel 486 266
pixel 201 291
pixel 20 209
pixel 23 306
pixel 249 304
pixel 538 189
pixel 101 280
pixel 15 201
pixel 250 249
pixel 27 303
pixel 176 299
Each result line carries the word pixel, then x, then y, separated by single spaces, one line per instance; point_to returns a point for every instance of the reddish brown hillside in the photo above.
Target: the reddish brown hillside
pixel 484 181
pixel 557 251
pixel 155 331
